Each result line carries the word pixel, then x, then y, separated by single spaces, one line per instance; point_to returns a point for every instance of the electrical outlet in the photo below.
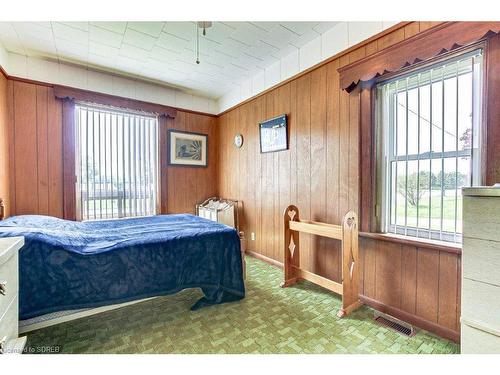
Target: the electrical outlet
pixel 252 236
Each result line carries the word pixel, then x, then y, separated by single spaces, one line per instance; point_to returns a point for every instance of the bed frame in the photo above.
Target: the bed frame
pixel 347 233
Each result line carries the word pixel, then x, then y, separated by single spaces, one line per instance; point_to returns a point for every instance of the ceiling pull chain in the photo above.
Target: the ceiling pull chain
pixel 198 44
pixel 201 25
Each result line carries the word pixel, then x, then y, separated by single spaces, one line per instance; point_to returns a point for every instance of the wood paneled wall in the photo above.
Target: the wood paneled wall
pixel 418 284
pixel 35 140
pixel 36 160
pixel 187 186
pixel 4 145
pixel 320 174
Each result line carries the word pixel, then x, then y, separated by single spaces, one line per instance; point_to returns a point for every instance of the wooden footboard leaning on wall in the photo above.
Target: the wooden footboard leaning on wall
pixel 347 233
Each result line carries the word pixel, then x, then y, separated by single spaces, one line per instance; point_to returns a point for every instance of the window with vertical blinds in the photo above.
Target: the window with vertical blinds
pixel 429 138
pixel 116 163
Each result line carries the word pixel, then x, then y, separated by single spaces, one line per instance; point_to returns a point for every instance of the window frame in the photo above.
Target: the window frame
pixel 382 189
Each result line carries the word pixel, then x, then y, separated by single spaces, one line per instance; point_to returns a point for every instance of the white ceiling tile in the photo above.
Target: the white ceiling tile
pixel 305 38
pixel 84 26
pixel 285 51
pixel 163 54
pixel 99 61
pixel 299 28
pixel 267 26
pixel 182 66
pixel 171 42
pixel 261 50
pixel 321 27
pixel 278 36
pixel 151 28
pixel 39 46
pixel 219 31
pixel 138 39
pixel 134 53
pixel 154 65
pixel 116 27
pixel 28 29
pixel 7 31
pixel 72 34
pixel 127 64
pixel 245 63
pixel 76 51
pixel 103 36
pixel 14 47
pixel 183 30
pixel 230 53
pixel 100 49
pixel 220 58
pixel 247 33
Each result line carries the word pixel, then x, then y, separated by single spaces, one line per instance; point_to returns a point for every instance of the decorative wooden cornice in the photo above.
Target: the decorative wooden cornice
pixel 436 41
pixel 64 92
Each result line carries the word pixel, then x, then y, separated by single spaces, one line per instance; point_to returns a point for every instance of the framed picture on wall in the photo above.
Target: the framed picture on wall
pixel 187 149
pixel 274 134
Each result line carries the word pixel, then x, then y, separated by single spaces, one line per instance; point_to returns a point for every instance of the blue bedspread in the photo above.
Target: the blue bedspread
pixel 69 265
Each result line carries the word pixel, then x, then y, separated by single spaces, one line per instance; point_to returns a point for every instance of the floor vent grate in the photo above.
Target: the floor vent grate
pixel 394 324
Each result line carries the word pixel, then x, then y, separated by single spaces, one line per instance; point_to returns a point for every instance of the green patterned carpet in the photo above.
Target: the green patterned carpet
pixel 299 319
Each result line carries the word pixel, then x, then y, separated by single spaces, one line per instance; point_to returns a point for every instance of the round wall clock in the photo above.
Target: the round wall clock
pixel 238 140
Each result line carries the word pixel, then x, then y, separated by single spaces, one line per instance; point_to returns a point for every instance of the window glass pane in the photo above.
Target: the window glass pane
pixel 401 118
pixel 425 112
pixel 450 113
pixel 413 116
pixel 425 197
pixel 413 194
pixel 400 193
pixel 436 195
pixel 449 180
pixel 436 109
pixel 392 192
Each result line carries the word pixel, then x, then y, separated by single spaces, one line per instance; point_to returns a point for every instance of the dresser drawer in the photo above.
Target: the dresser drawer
pixel 481 302
pixel 481 219
pixel 476 341
pixel 481 260
pixel 9 326
pixel 9 275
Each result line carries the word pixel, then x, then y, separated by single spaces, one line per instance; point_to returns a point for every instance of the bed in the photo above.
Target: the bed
pixel 71 265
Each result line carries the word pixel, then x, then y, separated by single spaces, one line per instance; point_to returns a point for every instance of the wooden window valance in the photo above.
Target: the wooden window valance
pixel 64 92
pixel 423 46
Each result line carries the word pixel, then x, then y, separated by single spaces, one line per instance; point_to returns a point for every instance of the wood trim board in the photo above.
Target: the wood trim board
pixel 423 46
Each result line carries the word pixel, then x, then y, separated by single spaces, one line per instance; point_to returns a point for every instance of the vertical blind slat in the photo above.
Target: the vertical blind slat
pixel 117 163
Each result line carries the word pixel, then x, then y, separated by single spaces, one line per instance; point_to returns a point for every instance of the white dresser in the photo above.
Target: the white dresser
pixel 9 295
pixel 481 271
